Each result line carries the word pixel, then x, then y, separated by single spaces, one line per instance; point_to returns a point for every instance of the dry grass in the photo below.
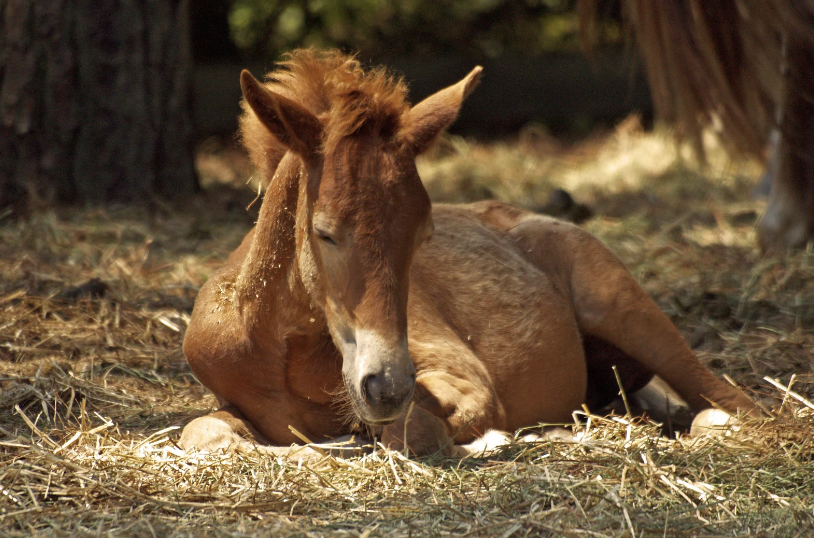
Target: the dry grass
pixel 93 386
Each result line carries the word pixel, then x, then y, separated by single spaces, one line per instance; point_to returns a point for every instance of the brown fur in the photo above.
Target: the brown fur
pixel 510 318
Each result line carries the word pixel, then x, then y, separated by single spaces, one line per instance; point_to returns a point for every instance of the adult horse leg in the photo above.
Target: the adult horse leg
pixel 789 219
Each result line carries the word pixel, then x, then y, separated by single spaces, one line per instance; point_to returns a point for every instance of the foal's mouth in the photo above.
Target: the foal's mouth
pixel 379 423
pixel 355 409
pixel 348 407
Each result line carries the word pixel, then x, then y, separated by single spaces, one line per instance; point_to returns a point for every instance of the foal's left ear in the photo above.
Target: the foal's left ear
pixel 291 123
pixel 427 119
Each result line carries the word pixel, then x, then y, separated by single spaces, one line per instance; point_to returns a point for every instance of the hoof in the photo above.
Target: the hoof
pixel 491 440
pixel 549 433
pixel 662 404
pixel 714 422
pixel 209 433
pixel 558 434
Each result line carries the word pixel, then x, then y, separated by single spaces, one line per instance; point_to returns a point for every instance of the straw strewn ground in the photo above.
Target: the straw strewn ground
pixel 94 388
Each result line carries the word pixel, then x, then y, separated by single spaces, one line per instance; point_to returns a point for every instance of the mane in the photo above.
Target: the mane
pixel 334 87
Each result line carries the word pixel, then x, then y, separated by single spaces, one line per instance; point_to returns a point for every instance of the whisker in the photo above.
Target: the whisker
pixel 342 403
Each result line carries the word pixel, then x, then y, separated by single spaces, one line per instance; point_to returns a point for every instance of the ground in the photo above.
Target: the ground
pixel 94 387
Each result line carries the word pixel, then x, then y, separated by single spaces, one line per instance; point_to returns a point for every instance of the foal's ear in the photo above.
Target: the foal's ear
pixel 291 123
pixel 428 118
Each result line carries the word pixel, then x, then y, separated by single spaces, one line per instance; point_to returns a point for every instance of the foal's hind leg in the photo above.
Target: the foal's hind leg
pixel 600 359
pixel 645 393
pixel 611 306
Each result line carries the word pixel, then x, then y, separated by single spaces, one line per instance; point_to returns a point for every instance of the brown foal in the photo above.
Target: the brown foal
pixel 487 317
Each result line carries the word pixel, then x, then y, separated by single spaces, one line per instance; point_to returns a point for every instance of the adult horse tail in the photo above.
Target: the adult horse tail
pixel 734 64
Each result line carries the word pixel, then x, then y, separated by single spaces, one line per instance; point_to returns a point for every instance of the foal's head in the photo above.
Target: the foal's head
pixel 367 210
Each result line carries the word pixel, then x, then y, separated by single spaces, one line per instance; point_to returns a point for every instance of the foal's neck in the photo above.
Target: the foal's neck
pixel 268 290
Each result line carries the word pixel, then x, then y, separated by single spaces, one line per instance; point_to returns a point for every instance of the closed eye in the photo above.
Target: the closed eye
pixel 324 237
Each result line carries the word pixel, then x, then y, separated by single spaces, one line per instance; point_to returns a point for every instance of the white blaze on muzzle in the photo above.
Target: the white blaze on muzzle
pixel 382 374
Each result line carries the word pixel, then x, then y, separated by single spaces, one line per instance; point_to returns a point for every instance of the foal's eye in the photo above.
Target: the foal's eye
pixel 324 237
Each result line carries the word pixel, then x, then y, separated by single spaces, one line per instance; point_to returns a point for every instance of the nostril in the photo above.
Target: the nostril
pixel 372 386
pixel 380 391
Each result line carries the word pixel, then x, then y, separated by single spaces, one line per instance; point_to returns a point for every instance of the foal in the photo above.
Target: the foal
pixel 485 316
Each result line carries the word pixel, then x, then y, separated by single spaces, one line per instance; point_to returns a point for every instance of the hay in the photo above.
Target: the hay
pixel 94 389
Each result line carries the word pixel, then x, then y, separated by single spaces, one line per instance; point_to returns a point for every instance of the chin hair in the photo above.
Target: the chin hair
pixel 342 402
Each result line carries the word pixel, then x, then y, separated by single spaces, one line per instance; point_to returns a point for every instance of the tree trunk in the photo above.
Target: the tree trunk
pixel 94 101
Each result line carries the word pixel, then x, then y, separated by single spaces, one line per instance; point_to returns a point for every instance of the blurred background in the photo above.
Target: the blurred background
pixel 535 70
pixel 111 101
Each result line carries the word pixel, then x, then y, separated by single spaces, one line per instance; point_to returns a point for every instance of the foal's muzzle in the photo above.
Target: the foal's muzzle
pixel 385 398
pixel 384 380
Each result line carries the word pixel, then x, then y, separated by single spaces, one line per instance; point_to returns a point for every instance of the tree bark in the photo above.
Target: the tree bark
pixel 94 101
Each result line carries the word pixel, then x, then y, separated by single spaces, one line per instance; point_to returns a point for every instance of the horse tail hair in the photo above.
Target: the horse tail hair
pixel 718 63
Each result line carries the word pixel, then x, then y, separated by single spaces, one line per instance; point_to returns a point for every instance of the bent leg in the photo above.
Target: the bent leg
pixel 647 394
pixel 448 410
pixel 600 359
pixel 225 428
pixel 228 429
pixel 611 307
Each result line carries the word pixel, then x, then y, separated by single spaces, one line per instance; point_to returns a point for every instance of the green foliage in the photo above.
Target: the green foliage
pixel 405 27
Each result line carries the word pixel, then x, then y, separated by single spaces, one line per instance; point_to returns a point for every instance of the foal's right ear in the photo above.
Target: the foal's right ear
pixel 291 123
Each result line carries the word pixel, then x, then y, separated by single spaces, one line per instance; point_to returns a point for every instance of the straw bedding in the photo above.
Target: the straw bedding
pixel 94 388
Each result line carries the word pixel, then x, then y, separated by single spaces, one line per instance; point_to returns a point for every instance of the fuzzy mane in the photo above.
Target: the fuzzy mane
pixel 334 87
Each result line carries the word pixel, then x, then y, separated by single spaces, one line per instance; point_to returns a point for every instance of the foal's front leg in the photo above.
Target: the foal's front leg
pixel 428 434
pixel 448 411
pixel 224 429
pixel 228 429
